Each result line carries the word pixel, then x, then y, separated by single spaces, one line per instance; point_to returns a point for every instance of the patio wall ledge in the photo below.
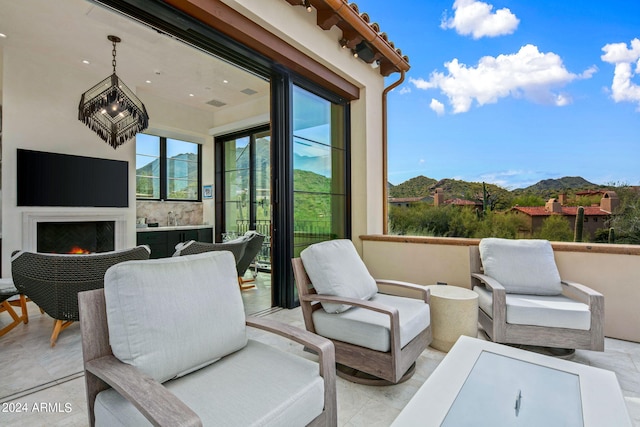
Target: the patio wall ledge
pixel 612 270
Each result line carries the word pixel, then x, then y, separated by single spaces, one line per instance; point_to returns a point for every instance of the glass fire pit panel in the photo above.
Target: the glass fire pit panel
pixel 502 391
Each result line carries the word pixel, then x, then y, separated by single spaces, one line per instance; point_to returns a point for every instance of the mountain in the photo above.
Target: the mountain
pixel 564 183
pixel 415 187
pixel 421 186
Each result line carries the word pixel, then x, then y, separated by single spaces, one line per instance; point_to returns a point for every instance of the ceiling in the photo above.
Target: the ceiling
pixel 74 31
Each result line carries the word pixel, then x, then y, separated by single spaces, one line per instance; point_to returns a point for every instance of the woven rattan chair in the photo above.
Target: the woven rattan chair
pixel 244 250
pixel 254 245
pixel 53 281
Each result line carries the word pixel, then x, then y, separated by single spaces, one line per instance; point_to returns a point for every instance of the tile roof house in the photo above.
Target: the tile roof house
pixel 595 217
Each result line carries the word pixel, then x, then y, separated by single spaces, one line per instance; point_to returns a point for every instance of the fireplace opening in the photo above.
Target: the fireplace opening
pixel 76 237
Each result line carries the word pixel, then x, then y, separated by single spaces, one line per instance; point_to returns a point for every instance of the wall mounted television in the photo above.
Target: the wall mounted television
pixel 53 179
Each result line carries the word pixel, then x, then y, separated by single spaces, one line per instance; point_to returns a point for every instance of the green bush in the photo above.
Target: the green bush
pixel 555 228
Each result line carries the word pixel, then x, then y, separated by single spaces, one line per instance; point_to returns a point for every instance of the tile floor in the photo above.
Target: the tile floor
pixel 47 383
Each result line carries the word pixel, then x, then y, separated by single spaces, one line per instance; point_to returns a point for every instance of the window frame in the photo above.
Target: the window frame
pixel 162 140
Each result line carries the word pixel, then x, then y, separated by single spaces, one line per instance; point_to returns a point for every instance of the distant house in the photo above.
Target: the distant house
pixel 408 201
pixel 595 217
pixel 464 203
pixel 439 200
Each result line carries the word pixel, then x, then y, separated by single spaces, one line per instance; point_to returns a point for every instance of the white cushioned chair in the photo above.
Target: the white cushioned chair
pixel 379 327
pixel 165 343
pixel 522 299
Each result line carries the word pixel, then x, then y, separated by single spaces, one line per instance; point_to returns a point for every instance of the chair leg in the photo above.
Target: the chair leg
pixel 242 281
pixel 22 303
pixel 59 326
pixel 6 306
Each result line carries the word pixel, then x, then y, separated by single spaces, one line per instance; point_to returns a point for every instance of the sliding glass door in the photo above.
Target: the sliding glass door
pixel 244 187
pixel 319 170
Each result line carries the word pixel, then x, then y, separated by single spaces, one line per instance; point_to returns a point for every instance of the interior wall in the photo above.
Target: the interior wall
pixel 40 112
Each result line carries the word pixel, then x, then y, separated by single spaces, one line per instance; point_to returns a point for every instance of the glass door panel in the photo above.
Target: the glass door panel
pixel 236 187
pixel 319 170
pixel 246 177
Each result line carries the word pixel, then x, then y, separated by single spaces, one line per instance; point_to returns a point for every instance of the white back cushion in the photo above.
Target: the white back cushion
pixel 521 266
pixel 335 268
pixel 171 316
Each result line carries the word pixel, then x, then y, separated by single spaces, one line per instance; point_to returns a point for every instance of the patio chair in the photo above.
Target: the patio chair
pixel 7 302
pixel 254 245
pixel 522 299
pixel 244 249
pixel 379 327
pixel 199 367
pixel 53 281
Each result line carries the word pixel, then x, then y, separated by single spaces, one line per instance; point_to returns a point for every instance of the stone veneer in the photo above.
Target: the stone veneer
pixel 188 213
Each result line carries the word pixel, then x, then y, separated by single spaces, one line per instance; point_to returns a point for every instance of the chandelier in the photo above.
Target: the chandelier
pixel 111 109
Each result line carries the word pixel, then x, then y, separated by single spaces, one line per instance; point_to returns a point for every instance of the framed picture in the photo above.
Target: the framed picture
pixel 207 192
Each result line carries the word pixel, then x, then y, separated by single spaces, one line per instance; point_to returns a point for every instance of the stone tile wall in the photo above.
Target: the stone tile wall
pixel 188 213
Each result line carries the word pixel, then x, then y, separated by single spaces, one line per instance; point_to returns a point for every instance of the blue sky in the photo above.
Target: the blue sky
pixel 513 92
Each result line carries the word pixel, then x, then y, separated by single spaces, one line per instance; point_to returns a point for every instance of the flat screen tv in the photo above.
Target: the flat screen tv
pixel 52 179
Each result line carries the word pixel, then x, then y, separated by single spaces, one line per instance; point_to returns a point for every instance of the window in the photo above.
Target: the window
pixel 167 169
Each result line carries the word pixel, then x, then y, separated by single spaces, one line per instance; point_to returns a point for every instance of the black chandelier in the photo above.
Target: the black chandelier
pixel 111 109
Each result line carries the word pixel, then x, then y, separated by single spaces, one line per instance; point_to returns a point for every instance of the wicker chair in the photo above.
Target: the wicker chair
pixel 53 281
pixel 244 249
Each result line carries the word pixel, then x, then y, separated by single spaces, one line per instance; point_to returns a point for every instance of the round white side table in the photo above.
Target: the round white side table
pixel 454 312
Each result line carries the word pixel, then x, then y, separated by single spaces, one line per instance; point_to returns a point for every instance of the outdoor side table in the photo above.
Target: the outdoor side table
pixel 454 312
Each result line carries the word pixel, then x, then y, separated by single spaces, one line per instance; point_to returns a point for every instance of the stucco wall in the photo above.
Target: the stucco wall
pixel 614 275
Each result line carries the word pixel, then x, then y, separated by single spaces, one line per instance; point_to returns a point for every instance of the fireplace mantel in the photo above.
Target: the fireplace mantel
pixel 30 222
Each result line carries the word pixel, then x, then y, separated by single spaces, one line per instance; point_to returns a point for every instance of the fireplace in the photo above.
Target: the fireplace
pixel 77 237
pixel 89 229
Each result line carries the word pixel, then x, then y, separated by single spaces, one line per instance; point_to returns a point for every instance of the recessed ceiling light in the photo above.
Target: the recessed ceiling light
pixel 2 35
pixel 191 94
pixel 84 61
pixel 148 81
pixel 225 81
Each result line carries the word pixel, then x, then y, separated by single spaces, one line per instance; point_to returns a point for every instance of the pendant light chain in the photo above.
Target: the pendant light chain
pixel 113 61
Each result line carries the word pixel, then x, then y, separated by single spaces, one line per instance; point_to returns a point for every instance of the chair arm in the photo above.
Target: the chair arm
pixel 323 346
pixel 499 296
pixel 366 304
pixel 581 292
pixel 152 399
pixel 404 289
pixel 491 283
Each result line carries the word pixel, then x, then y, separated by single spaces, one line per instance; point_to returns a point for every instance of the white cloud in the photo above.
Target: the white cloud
pixel 623 88
pixel 478 19
pixel 437 106
pixel 404 90
pixel 528 73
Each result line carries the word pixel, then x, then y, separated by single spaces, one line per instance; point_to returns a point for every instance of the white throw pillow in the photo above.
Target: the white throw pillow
pixel 521 266
pixel 171 316
pixel 335 268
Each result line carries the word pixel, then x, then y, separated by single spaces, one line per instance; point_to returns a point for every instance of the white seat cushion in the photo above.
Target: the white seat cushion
pixel 371 329
pixel 557 311
pixel 335 268
pixel 170 316
pixel 256 386
pixel 521 266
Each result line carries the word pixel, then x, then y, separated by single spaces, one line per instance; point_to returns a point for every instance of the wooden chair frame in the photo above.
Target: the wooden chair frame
pixel 390 366
pixel 498 330
pixel 7 305
pixel 162 408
